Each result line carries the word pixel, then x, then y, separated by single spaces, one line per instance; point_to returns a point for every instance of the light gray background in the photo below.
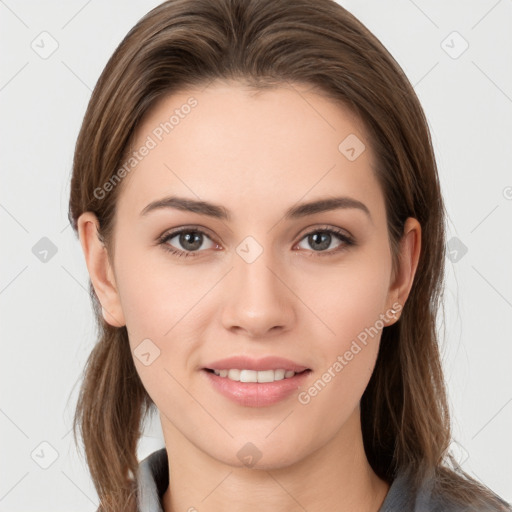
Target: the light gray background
pixel 47 328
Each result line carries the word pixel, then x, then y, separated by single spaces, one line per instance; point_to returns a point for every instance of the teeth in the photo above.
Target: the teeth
pixel 255 376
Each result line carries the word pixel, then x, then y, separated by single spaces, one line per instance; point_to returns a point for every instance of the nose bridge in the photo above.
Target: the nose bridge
pixel 257 299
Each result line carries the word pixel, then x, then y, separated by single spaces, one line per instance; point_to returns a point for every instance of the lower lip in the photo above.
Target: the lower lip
pixel 257 394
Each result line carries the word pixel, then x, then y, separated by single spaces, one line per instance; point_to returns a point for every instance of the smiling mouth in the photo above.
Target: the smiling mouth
pixel 260 376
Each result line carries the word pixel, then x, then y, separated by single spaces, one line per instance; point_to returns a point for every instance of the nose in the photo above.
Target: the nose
pixel 258 299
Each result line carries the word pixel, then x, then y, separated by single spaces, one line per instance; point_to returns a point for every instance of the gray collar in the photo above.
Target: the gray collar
pixel 153 480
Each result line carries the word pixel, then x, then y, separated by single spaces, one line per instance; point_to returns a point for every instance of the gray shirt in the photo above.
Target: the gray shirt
pixel 153 480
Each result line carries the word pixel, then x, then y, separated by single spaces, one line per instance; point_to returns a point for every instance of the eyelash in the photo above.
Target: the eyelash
pixel 347 241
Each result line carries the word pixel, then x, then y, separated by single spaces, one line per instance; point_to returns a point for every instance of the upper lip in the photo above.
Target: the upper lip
pixel 249 363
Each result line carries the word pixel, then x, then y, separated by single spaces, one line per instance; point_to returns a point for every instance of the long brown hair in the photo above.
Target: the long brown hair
pixel 265 43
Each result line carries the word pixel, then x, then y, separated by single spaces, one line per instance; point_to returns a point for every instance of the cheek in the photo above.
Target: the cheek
pixel 154 296
pixel 158 305
pixel 351 297
pixel 333 396
pixel 347 358
pixel 164 317
pixel 351 308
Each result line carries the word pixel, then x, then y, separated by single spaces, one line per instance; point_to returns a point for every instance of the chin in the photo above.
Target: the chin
pixel 264 454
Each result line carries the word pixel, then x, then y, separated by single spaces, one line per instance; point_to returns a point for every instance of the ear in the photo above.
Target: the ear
pixel 403 278
pixel 100 270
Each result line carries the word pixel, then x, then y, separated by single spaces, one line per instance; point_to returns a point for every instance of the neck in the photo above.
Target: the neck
pixel 336 477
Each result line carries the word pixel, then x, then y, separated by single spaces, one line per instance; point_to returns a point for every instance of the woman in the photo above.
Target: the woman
pixel 257 199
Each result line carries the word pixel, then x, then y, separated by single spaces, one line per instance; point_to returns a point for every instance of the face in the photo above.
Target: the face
pixel 256 276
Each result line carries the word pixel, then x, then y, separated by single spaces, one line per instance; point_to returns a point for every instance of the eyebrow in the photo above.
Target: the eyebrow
pixel 219 212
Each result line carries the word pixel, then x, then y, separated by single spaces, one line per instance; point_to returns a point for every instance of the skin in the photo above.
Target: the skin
pixel 256 155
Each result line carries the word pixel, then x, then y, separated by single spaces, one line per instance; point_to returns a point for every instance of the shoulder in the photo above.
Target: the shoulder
pixel 442 502
pixel 152 481
pixel 436 495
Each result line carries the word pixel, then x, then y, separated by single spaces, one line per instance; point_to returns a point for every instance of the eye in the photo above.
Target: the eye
pixel 190 239
pixel 322 238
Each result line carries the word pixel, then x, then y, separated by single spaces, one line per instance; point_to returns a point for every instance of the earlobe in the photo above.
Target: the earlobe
pixel 410 249
pixel 100 270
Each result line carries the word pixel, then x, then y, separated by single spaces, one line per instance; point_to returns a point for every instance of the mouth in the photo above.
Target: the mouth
pixel 256 382
pixel 244 390
pixel 261 376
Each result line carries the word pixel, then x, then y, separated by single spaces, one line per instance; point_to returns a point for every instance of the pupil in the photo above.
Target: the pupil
pixel 186 238
pixel 317 239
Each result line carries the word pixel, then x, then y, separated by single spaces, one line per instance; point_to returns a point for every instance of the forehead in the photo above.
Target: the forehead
pixel 232 145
